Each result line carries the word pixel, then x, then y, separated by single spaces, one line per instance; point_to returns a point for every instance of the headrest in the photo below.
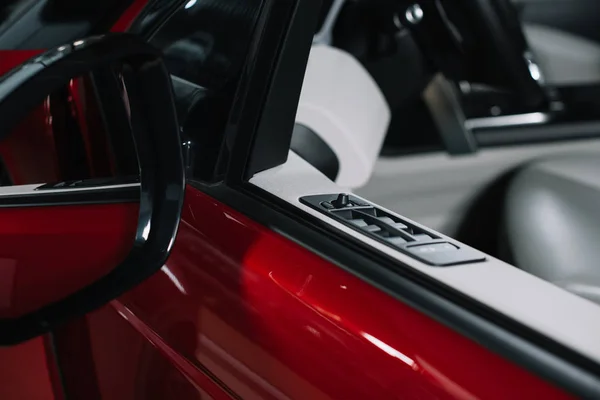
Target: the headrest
pixel 343 107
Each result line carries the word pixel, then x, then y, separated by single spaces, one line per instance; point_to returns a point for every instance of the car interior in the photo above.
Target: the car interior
pixel 479 120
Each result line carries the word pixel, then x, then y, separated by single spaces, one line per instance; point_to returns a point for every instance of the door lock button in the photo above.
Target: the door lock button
pixel 343 200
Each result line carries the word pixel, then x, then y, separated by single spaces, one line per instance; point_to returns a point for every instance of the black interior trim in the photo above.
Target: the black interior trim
pixel 308 145
pixel 153 16
pixel 544 133
pixel 443 100
pixel 273 135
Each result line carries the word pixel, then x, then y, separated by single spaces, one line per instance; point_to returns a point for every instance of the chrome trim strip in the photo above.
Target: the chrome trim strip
pixel 503 121
pixel 29 190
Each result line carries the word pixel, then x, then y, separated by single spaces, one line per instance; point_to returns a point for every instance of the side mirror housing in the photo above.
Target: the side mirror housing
pixel 135 99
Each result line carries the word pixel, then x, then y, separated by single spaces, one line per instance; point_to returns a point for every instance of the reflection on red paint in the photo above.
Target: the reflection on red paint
pixel 40 246
pixel 25 373
pixel 391 351
pixel 269 319
pixel 173 279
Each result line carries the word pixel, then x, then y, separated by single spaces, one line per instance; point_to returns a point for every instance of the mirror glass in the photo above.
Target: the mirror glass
pixel 69 192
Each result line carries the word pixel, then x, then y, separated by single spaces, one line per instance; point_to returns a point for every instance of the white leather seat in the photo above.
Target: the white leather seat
pixel 342 105
pixel 565 58
pixel 552 222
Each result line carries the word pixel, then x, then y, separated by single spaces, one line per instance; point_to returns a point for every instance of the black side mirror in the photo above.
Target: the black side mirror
pixel 64 249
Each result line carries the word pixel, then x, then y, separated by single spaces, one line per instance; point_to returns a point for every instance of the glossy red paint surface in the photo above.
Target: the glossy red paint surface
pixel 26 372
pixel 85 109
pixel 11 58
pixel 40 246
pixel 241 305
pixel 132 362
pixel 29 152
pixel 127 18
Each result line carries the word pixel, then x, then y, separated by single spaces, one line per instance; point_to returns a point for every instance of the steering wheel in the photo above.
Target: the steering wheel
pixel 478 41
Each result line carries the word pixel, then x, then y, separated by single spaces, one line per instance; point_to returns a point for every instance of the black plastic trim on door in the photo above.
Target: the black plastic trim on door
pixel 308 145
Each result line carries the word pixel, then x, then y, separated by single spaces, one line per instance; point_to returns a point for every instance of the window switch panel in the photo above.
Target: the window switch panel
pixel 385 227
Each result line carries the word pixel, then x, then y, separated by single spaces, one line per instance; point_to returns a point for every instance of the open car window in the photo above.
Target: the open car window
pixel 205 45
pixel 205 42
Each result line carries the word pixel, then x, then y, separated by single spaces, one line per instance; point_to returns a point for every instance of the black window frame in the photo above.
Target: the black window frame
pixel 32 20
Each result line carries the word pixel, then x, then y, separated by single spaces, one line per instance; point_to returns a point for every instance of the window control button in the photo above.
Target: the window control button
pixel 387 220
pixel 359 222
pixel 444 254
pixel 389 229
pixel 396 241
pixel 421 237
pixel 433 248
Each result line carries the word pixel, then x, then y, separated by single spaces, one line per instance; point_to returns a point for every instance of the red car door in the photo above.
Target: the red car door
pixel 259 300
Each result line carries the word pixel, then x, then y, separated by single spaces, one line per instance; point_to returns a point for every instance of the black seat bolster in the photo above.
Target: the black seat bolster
pixel 308 145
